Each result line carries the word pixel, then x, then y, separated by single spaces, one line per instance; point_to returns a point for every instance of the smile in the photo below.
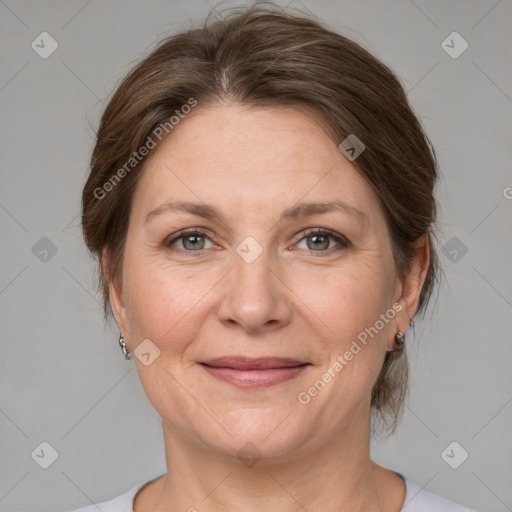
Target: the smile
pixel 254 373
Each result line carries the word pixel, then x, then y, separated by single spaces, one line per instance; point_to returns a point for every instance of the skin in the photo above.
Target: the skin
pixel 295 300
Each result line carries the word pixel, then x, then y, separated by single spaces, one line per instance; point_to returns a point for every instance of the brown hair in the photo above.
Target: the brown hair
pixel 265 57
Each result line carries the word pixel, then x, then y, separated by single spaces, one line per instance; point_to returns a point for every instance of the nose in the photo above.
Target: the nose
pixel 255 296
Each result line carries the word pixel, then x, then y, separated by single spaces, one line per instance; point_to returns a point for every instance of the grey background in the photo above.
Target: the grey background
pixel 63 377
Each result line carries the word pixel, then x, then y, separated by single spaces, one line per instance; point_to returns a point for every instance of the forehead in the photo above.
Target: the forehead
pixel 238 156
pixel 234 133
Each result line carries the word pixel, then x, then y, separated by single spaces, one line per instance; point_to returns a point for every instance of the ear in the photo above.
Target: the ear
pixel 408 294
pixel 115 295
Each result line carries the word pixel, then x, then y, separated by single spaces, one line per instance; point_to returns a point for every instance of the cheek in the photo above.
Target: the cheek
pixel 346 299
pixel 163 300
pixel 349 303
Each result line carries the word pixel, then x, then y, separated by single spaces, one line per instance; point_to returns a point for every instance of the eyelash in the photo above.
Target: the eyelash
pixel 343 243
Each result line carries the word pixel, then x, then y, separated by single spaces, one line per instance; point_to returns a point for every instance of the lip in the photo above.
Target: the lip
pixel 250 373
pixel 255 363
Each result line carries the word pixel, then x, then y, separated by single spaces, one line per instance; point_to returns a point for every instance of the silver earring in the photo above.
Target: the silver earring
pixel 126 352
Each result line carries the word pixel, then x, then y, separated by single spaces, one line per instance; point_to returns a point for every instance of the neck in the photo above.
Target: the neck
pixel 334 476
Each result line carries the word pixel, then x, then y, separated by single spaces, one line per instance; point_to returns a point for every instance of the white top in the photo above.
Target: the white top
pixel 416 500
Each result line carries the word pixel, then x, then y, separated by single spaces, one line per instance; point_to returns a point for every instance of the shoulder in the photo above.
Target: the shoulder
pixel 419 500
pixel 122 503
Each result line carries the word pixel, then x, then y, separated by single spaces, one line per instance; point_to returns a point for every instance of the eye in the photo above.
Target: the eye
pixel 318 240
pixel 193 240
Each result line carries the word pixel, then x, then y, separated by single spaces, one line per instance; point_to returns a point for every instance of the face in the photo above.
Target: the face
pixel 258 274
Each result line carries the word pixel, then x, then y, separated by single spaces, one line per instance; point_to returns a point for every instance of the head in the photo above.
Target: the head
pixel 248 118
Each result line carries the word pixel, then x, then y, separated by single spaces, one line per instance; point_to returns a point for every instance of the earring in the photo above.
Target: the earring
pixel 400 342
pixel 126 352
pixel 400 339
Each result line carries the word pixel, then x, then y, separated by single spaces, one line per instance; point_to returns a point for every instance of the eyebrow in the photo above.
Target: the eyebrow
pixel 293 213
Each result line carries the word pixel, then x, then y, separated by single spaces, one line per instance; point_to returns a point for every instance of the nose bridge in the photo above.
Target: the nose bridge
pixel 254 298
pixel 253 266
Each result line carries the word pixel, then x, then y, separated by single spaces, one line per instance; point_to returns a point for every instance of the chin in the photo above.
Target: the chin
pixel 258 434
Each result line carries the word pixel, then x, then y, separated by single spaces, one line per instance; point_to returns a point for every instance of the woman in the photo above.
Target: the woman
pixel 261 205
